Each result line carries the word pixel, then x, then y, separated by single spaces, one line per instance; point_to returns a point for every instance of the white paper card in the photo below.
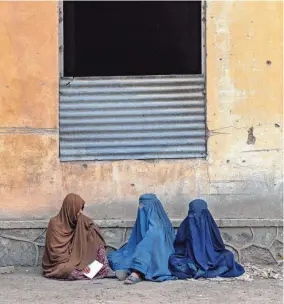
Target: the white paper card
pixel 95 267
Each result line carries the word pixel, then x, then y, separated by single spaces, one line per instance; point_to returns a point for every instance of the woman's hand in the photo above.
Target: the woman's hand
pixel 87 269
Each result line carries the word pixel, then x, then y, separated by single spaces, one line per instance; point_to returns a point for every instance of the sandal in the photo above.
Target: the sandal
pixel 131 280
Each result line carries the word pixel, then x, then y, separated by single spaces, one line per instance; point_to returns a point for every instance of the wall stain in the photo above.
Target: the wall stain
pixel 251 138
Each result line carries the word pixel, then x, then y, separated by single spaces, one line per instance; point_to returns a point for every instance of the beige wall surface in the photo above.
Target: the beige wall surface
pixel 242 175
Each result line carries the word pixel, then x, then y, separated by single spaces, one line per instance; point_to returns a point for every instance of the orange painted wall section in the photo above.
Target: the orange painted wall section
pixel 28 64
pixel 244 90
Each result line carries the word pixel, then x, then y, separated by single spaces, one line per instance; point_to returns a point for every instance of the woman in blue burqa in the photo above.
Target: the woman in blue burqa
pixel 199 248
pixel 150 245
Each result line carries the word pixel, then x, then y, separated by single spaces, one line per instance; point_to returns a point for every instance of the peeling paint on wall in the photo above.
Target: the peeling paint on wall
pixel 242 176
pixel 251 138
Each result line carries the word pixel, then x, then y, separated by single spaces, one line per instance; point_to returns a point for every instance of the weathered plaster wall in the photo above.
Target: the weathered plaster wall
pixel 241 177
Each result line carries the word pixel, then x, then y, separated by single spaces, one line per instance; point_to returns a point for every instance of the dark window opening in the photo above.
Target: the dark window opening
pixel 132 38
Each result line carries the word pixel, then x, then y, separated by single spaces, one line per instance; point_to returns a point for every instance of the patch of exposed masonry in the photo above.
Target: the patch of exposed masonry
pixel 251 138
pixel 250 245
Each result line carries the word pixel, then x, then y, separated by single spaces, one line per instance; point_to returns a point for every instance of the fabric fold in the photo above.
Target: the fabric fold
pixel 199 248
pixel 150 244
pixel 72 240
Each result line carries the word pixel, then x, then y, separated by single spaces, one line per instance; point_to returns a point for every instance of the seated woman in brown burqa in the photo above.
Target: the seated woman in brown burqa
pixel 73 242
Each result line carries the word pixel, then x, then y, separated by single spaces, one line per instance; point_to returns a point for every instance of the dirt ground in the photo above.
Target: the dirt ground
pixel 27 285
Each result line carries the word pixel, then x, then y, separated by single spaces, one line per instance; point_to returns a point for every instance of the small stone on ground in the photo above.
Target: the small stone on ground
pixel 7 270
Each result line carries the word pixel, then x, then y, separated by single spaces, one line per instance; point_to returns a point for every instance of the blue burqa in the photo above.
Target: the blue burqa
pixel 199 248
pixel 150 244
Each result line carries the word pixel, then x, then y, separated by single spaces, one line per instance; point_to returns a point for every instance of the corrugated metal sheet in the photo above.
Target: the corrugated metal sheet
pixel 151 117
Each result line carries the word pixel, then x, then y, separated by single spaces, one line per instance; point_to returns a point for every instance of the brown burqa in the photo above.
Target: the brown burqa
pixel 72 240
